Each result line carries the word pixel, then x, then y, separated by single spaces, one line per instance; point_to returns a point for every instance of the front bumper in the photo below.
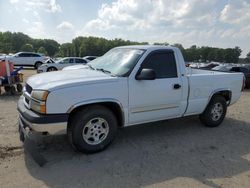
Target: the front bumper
pixel 48 123
pixel 40 71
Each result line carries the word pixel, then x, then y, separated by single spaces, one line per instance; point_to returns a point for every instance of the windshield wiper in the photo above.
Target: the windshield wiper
pixel 91 67
pixel 105 71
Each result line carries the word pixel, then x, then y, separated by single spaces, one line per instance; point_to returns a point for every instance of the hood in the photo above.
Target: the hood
pixel 73 67
pixel 69 78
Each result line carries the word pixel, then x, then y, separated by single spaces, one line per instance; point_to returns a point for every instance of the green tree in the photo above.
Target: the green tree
pixel 27 48
pixel 162 44
pixel 51 46
pixel 247 59
pixel 42 50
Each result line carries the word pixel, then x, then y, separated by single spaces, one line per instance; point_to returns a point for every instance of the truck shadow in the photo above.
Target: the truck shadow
pixel 150 154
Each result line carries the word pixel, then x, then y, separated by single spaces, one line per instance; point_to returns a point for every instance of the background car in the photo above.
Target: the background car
pixel 59 65
pixel 246 72
pixel 247 66
pixel 27 59
pixel 208 66
pixel 222 68
pixel 50 60
pixel 90 58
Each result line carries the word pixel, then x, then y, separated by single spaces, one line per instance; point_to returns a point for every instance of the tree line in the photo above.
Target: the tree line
pixel 83 46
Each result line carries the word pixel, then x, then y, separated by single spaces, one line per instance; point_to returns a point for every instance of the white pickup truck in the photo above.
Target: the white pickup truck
pixel 127 86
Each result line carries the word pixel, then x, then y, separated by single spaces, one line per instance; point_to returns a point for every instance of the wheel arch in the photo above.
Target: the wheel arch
pixel 38 62
pixel 112 104
pixel 51 67
pixel 226 93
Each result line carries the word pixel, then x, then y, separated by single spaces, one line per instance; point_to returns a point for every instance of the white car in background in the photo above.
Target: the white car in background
pixel 90 58
pixel 59 65
pixel 83 66
pixel 27 59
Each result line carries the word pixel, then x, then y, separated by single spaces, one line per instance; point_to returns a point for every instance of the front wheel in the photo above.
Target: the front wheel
pixel 50 69
pixel 92 129
pixel 215 112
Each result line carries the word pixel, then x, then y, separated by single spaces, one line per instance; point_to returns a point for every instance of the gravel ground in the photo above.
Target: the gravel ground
pixel 174 153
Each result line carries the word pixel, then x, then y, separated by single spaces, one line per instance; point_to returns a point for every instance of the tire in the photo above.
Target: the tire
pixel 92 129
pixel 12 90
pixel 215 112
pixel 7 89
pixel 38 64
pixel 50 69
pixel 19 87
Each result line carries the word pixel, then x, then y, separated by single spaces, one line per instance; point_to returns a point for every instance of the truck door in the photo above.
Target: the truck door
pixel 158 99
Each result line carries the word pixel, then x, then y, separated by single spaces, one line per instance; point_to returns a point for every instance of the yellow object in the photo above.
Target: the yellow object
pixel 20 77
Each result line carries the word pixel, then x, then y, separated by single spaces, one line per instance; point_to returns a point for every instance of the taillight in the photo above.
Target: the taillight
pixel 244 83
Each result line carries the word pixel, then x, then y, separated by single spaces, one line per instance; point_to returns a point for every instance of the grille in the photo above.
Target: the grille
pixel 28 88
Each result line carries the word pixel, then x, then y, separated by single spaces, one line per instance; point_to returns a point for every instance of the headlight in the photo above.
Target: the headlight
pixel 38 107
pixel 38 103
pixel 39 95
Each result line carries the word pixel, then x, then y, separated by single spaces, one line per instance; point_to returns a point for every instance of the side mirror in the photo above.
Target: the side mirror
pixel 145 74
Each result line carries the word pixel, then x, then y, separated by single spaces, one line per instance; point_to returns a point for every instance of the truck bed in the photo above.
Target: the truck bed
pixel 203 84
pixel 193 71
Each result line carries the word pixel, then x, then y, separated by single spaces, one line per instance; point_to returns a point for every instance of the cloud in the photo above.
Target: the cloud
pixel 146 14
pixel 36 30
pixel 32 5
pixel 201 22
pixel 236 12
pixel 65 25
pixel 14 1
pixel 25 20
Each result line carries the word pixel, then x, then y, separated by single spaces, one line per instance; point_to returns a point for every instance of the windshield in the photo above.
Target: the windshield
pixel 118 61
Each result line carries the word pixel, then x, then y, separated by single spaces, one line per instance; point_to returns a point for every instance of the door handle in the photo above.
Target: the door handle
pixel 177 86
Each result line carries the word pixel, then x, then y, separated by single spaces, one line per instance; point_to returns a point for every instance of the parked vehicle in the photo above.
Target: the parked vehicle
pixel 50 60
pixel 209 66
pixel 59 65
pixel 246 72
pixel 90 58
pixel 83 66
pixel 27 59
pixel 247 66
pixel 127 86
pixel 223 68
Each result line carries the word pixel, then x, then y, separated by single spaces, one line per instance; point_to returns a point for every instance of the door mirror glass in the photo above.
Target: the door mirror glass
pixel 146 74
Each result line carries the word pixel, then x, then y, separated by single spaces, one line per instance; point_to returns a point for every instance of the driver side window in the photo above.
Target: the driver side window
pixel 163 63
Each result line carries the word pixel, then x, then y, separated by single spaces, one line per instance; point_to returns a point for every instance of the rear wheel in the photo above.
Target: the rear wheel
pixel 215 112
pixel 92 129
pixel 7 89
pixel 51 69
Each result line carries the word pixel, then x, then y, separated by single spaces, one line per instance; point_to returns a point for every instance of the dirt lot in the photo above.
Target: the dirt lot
pixel 175 153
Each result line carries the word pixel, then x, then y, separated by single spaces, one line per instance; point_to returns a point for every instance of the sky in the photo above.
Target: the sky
pixel 217 23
